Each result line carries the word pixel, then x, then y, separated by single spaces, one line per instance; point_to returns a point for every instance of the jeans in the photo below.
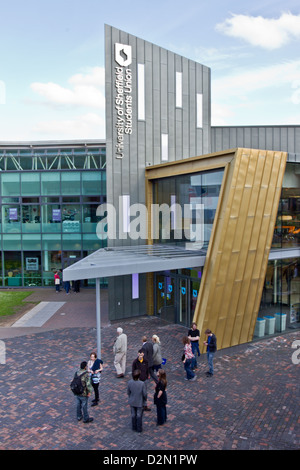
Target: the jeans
pixel 136 418
pixel 82 407
pixel 195 349
pixel 210 358
pixel 188 368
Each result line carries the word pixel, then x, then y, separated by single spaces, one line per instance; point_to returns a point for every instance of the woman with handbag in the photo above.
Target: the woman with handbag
pixel 160 397
pixel 57 282
pixel 95 368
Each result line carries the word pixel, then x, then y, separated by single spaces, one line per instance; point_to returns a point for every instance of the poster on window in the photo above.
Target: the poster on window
pixel 13 213
pixel 56 215
pixel 32 264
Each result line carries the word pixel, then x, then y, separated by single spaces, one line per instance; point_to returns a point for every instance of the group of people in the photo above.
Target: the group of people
pixel 66 284
pixel 191 351
pixel 89 374
pixel 146 366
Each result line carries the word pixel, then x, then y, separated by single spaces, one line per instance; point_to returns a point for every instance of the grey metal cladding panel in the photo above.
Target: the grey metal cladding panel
pixel 149 103
pixel 192 108
pixel 171 105
pixel 297 139
pixel 164 97
pixel 291 139
pixel 185 108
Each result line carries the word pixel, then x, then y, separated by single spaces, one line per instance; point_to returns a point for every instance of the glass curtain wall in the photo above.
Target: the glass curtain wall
pixel 192 202
pixel 176 291
pixel 48 221
pixel 280 302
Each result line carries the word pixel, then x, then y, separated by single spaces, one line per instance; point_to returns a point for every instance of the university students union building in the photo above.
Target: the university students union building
pixel 177 218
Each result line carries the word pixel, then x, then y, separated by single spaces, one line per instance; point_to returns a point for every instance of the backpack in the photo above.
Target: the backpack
pixel 76 385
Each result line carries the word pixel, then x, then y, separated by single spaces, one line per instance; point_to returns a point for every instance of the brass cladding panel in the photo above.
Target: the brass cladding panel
pixel 237 257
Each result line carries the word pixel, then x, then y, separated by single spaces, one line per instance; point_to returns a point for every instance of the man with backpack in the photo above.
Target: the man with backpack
pixel 82 388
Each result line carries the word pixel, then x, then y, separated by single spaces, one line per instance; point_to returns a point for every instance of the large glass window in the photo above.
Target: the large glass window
pixel 31 218
pixel 192 202
pixel 91 182
pixel 32 268
pixel 280 302
pixel 10 184
pixel 70 182
pixel 51 218
pixel 50 183
pixel 287 227
pixel 30 184
pixel 12 268
pixel 11 218
pixel 71 218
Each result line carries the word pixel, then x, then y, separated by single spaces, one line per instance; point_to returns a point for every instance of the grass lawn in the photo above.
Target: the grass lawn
pixel 11 301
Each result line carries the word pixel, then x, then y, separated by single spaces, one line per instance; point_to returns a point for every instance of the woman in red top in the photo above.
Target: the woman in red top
pixel 188 359
pixel 57 282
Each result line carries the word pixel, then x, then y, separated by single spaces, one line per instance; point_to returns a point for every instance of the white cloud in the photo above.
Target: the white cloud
pixel 242 83
pixel 87 126
pixel 85 90
pixel 270 93
pixel 267 33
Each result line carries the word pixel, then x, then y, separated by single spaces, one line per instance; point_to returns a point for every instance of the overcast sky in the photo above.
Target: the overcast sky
pixel 52 60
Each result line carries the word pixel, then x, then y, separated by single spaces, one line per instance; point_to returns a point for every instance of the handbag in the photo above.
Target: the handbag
pixel 96 378
pixel 57 281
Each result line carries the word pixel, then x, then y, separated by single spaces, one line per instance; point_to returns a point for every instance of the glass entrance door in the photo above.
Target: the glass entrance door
pixel 175 297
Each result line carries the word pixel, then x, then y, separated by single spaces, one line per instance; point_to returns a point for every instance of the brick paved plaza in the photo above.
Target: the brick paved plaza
pixel 252 402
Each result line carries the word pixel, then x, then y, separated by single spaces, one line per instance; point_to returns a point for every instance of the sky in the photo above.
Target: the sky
pixel 52 60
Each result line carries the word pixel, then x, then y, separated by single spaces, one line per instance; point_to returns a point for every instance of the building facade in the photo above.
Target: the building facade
pixel 161 150
pixel 49 197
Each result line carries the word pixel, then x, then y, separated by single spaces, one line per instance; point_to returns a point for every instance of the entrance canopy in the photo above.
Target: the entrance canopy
pixel 120 261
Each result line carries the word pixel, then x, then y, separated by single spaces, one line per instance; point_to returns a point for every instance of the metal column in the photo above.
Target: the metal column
pixel 98 317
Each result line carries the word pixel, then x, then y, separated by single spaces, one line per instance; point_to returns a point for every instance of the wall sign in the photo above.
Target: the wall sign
pixel 123 95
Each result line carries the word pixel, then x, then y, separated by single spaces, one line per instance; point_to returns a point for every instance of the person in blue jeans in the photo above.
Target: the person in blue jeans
pixel 211 347
pixel 82 400
pixel 194 336
pixel 188 359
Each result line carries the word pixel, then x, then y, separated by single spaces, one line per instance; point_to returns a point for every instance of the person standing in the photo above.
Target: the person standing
pixel 211 347
pixel 188 358
pixel 82 399
pixel 120 352
pixel 67 287
pixel 137 397
pixel 160 397
pixel 194 336
pixel 141 364
pixel 57 282
pixel 95 367
pixel 157 358
pixel 147 347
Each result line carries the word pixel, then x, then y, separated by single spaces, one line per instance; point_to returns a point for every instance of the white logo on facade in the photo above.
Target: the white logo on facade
pixel 123 96
pixel 123 54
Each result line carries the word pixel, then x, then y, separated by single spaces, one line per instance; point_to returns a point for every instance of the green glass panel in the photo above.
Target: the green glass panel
pixel 70 182
pixel 30 184
pixel 31 242
pixel 50 183
pixel 91 182
pixel 10 184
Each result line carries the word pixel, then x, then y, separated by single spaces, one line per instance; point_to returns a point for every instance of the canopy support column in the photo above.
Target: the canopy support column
pixel 98 317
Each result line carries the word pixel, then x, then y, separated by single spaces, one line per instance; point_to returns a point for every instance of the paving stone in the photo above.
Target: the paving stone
pixel 251 402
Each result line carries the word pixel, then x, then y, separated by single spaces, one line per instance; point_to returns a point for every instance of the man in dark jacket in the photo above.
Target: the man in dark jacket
pixel 82 400
pixel 148 355
pixel 142 365
pixel 137 397
pixel 211 344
